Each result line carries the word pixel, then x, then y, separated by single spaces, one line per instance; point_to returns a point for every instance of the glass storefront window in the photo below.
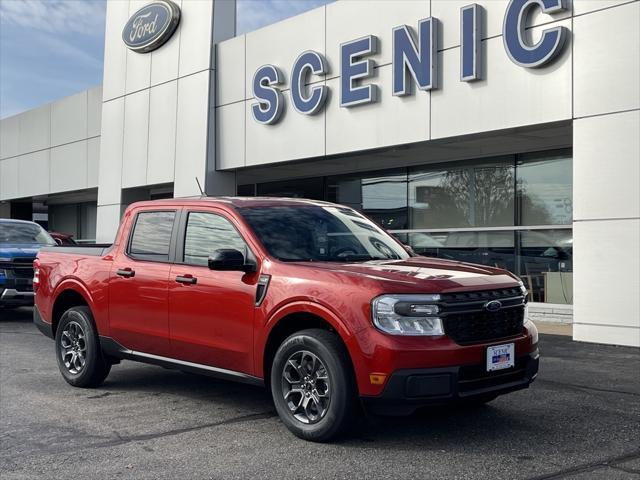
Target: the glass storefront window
pixel 494 248
pixel 493 212
pixel 312 188
pixel 546 264
pixel 248 190
pixel 543 259
pixel 254 14
pixel 381 197
pixel 463 195
pixel 545 190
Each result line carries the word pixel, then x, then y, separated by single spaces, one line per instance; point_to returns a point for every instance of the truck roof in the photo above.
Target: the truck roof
pixel 237 202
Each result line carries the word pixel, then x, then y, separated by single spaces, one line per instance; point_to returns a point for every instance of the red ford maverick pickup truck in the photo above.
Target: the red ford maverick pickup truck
pixel 310 299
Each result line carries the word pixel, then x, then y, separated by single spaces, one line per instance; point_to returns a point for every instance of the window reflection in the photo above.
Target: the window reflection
pixel 381 197
pixel 545 190
pixel 315 233
pixel 495 249
pixel 543 259
pixel 469 195
pixel 546 264
pixel 515 191
pixel 152 235
pixel 207 232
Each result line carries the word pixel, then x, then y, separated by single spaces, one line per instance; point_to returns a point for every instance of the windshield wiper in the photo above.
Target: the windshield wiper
pixel 345 259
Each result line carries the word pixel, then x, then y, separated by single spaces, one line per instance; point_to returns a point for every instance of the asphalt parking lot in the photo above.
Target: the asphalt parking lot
pixel 580 420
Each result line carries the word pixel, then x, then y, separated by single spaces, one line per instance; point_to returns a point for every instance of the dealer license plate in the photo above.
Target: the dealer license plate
pixel 500 357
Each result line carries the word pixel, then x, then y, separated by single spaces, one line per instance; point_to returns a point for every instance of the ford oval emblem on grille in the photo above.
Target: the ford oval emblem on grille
pixel 493 306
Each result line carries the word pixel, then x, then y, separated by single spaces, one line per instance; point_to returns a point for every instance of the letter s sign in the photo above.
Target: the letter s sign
pixel 268 108
pixel 513 33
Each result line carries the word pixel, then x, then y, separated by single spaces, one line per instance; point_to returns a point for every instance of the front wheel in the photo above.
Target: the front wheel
pixel 313 386
pixel 78 352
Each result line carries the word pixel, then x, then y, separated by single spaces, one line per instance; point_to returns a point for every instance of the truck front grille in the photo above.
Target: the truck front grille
pixel 467 321
pixel 20 267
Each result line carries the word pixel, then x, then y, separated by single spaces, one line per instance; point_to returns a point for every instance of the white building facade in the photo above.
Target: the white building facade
pixel 498 132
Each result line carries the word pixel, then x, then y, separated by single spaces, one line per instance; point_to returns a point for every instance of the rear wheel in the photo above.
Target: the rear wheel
pixel 312 385
pixel 78 350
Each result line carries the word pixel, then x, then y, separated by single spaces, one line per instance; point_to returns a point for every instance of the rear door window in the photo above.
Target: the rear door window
pixel 151 237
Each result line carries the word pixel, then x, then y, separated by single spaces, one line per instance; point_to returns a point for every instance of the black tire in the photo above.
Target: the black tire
pixel 341 408
pixel 95 369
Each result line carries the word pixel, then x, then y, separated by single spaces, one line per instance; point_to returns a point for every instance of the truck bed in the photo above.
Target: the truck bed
pixel 91 250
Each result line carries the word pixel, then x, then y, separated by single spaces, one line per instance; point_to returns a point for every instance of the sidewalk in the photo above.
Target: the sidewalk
pixel 553 328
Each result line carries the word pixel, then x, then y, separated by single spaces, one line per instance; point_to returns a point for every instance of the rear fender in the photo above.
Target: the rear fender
pixel 80 288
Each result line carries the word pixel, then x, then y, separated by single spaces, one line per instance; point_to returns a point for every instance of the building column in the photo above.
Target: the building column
pixel 606 229
pixel 224 27
pixel 606 159
pixel 158 110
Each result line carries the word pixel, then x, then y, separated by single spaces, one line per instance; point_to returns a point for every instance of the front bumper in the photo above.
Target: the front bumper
pixel 381 355
pixel 410 389
pixel 16 287
pixel 15 298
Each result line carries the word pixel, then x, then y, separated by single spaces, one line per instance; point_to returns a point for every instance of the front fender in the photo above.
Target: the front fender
pixel 311 307
pixel 295 307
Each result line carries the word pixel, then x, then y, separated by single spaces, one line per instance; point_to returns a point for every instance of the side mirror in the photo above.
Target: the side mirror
pixel 230 259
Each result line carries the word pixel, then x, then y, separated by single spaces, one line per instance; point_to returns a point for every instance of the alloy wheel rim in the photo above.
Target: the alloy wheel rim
pixel 306 387
pixel 73 347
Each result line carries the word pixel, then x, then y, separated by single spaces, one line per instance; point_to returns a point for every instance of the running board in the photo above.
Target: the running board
pixel 113 349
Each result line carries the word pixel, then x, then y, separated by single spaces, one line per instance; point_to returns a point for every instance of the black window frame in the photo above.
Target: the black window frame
pixel 172 238
pixel 181 235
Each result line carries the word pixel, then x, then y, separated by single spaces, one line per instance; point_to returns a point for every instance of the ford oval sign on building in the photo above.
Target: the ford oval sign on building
pixel 151 26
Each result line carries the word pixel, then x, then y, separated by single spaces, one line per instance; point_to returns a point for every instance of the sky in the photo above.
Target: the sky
pixel 50 49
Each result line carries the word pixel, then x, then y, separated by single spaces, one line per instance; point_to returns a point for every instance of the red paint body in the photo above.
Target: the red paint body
pixel 215 322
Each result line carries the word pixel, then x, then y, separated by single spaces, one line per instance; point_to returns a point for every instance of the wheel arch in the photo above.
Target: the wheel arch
pixel 295 320
pixel 69 295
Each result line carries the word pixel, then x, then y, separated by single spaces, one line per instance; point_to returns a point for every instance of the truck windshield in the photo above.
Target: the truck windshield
pixel 320 233
pixel 14 233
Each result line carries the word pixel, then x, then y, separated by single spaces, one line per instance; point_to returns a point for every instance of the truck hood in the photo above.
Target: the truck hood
pixel 425 275
pixel 19 251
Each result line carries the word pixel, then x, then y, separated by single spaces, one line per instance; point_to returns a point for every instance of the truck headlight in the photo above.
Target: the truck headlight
pixel 407 314
pixel 523 289
pixel 524 292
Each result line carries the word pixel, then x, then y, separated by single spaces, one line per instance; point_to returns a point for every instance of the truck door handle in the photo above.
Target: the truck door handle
pixel 126 272
pixel 186 279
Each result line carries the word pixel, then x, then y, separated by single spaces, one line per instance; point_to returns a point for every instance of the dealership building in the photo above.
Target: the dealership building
pixel 505 133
